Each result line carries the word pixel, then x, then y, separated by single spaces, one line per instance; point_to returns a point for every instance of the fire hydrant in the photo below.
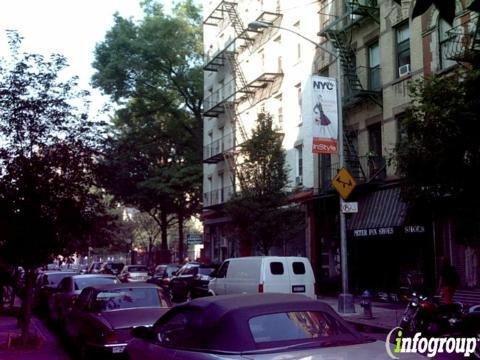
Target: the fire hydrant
pixel 366 304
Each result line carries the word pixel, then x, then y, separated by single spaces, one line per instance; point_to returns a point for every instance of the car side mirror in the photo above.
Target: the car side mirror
pixel 213 274
pixel 174 273
pixel 143 332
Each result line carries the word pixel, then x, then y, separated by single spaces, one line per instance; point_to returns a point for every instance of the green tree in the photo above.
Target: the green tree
pixel 153 69
pixel 261 214
pixel 47 149
pixel 439 153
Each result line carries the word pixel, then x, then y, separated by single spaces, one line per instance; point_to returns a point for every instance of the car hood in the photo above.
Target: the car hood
pixel 369 351
pixel 128 318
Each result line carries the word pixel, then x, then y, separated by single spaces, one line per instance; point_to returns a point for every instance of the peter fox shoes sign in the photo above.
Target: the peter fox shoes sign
pixel 320 113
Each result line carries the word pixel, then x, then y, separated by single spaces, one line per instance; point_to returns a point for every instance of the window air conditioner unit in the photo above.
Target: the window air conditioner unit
pixel 298 180
pixel 404 70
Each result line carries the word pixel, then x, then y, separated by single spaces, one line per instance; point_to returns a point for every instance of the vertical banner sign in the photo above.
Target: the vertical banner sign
pixel 321 113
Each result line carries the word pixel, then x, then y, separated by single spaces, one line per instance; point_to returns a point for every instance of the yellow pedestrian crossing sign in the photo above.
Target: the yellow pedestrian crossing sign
pixel 344 183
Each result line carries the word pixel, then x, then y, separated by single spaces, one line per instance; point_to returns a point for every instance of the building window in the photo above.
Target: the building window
pixel 374 155
pixel 222 185
pixel 299 100
pixel 278 43
pixel 403 49
pixel 279 99
pixel 299 46
pixel 374 67
pixel 262 59
pixel 444 40
pixel 299 156
pixel 325 170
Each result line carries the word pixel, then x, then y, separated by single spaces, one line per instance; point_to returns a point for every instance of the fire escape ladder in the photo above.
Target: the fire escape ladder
pixel 237 23
pixel 233 115
pixel 476 36
pixel 365 8
pixel 352 161
pixel 230 160
pixel 239 76
pixel 347 59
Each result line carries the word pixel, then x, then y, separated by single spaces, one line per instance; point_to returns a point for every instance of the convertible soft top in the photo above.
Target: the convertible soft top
pixel 223 320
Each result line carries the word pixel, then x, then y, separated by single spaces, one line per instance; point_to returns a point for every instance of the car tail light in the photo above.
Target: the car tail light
pixel 166 281
pixel 260 288
pixel 110 338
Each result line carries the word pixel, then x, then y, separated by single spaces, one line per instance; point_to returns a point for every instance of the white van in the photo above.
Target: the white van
pixel 264 274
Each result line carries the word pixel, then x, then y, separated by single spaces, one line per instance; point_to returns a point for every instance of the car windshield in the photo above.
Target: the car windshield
pixel 127 298
pixel 54 279
pixel 137 269
pixel 115 266
pixel 160 269
pixel 171 270
pixel 298 325
pixel 205 271
pixel 82 283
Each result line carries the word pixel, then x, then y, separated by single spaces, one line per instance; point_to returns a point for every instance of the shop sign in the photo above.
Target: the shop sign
pixel 194 239
pixel 414 229
pixel 374 232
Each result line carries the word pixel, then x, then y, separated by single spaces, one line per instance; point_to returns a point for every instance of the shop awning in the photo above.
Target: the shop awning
pixel 378 213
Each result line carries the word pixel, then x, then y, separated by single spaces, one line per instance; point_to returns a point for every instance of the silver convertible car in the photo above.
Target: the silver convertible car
pixel 260 326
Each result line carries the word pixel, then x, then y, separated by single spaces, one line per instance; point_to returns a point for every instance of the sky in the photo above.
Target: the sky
pixel 69 27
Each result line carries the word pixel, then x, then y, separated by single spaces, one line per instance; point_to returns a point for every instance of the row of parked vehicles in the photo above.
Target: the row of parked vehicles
pixel 261 312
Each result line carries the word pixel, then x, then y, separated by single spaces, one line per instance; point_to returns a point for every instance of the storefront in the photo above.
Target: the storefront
pixel 387 242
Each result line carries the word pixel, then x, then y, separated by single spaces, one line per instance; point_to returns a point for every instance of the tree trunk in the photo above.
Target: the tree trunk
pixel 245 244
pixel 26 310
pixel 181 254
pixel 150 246
pixel 164 230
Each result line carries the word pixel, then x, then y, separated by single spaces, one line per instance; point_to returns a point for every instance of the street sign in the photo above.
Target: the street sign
pixel 344 183
pixel 349 207
pixel 194 239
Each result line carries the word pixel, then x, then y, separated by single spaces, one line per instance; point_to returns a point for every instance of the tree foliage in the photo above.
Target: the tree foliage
pixel 261 214
pixel 153 70
pixel 48 204
pixel 440 152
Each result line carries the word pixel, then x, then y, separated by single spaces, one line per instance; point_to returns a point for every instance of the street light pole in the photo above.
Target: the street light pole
pixel 345 300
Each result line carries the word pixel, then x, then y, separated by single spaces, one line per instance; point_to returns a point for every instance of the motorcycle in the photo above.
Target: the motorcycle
pixel 433 319
pixel 428 316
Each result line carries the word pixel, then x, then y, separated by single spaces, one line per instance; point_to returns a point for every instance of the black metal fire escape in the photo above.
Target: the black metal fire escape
pixel 339 32
pixel 464 41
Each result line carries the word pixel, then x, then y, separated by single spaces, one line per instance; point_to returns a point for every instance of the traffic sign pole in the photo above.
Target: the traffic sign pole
pixel 345 300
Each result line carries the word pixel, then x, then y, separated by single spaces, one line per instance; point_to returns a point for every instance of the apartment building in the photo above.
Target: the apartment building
pixel 381 50
pixel 247 71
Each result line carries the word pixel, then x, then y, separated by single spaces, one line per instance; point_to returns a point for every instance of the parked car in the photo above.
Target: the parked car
pixel 163 274
pixel 190 282
pixel 266 326
pixel 134 273
pixel 45 285
pixel 110 267
pixel 68 290
pixel 94 267
pixel 102 318
pixel 264 274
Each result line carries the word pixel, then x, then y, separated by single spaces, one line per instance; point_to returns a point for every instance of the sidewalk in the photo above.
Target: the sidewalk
pixel 48 348
pixel 385 316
